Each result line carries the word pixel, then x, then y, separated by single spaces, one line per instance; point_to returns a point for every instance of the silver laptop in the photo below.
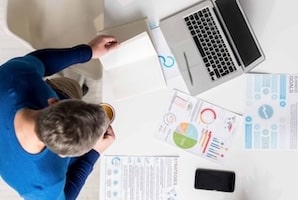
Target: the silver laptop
pixel 212 42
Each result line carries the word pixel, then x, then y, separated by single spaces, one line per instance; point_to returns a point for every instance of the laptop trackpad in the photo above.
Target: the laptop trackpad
pixel 187 54
pixel 192 67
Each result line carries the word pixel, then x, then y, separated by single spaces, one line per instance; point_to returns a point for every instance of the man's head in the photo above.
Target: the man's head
pixel 71 127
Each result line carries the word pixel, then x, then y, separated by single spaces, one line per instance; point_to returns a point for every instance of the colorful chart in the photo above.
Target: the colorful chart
pixel 185 136
pixel 207 116
pixel 169 118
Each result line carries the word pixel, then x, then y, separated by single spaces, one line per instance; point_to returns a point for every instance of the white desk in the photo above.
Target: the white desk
pixel 260 175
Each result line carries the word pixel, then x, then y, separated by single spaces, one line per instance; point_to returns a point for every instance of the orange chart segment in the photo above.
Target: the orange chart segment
pixel 185 136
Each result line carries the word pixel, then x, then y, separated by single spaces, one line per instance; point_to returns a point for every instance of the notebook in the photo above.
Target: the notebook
pixel 128 71
pixel 212 42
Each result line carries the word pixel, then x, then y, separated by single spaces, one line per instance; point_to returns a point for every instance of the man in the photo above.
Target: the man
pixel 48 146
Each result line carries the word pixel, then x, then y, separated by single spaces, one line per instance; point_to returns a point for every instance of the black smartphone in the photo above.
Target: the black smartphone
pixel 211 179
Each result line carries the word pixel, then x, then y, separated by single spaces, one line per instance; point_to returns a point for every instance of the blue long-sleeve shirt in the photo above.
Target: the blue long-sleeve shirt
pixel 44 175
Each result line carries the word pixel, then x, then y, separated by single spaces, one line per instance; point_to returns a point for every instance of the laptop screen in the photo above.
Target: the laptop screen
pixel 239 31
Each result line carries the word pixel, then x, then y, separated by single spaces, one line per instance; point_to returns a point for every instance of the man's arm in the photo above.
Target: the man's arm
pixel 80 167
pixel 57 59
pixel 78 172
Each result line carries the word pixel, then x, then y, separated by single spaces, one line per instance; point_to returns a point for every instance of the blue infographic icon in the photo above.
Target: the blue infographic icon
pixel 265 111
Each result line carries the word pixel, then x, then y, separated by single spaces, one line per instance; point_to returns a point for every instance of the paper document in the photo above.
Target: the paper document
pixel 166 57
pixel 139 177
pixel 271 111
pixel 197 126
pixel 133 69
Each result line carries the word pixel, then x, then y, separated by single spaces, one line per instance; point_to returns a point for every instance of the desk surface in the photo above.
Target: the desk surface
pixel 263 175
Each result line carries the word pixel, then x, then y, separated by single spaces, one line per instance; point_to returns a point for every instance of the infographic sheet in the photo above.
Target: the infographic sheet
pixel 198 126
pixel 270 119
pixel 139 177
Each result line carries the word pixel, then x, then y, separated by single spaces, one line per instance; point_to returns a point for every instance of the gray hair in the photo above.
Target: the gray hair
pixel 71 127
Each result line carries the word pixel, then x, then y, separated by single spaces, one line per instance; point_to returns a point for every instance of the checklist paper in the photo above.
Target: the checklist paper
pixel 138 177
pixel 270 119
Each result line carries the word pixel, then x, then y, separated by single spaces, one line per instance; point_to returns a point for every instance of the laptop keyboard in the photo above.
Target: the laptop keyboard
pixel 210 44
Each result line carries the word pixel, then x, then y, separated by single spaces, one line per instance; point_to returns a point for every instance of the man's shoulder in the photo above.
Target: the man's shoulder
pixel 26 63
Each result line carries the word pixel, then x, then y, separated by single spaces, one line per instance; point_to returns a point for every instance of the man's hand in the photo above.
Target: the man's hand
pixel 105 140
pixel 102 44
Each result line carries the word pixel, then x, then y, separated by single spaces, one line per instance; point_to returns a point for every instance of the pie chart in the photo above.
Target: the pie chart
pixel 185 135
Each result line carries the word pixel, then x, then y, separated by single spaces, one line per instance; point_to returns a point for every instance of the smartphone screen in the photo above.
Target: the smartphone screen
pixel 209 179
